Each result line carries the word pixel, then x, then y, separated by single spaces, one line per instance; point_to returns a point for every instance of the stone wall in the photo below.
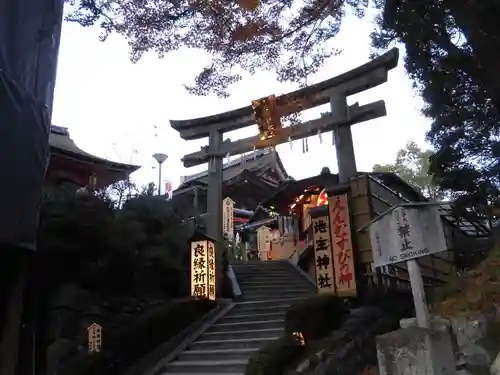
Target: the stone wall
pixel 475 339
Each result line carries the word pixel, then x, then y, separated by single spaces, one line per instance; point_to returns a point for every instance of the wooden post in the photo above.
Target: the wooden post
pixel 418 291
pixel 214 201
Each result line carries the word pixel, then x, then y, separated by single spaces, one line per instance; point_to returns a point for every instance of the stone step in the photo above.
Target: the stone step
pixel 250 343
pixel 249 307
pixel 249 325
pixel 238 265
pixel 248 333
pixel 262 309
pixel 216 354
pixel 270 284
pixel 277 291
pixel 260 264
pixel 264 296
pixel 217 367
pixel 269 315
pixel 287 273
pixel 270 280
pixel 263 269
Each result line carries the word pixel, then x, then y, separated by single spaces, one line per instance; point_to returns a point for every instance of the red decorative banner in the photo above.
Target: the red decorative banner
pixel 340 228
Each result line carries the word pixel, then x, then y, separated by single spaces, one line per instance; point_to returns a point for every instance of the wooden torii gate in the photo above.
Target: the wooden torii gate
pixel 334 91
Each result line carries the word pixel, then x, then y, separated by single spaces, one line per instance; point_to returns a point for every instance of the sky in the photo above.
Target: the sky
pixel 120 111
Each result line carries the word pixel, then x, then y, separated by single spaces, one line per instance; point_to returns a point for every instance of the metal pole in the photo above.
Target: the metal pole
pixel 159 178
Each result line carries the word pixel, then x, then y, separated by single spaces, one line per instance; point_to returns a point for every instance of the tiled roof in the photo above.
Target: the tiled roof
pixel 60 140
pixel 260 160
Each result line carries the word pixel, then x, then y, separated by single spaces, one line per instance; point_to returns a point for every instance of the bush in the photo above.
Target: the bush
pixel 315 317
pixel 126 345
pixel 274 358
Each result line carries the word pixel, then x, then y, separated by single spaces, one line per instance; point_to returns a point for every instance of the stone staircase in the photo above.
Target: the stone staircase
pixel 268 290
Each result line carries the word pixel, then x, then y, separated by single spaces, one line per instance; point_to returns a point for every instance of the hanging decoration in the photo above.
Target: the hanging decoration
pixel 254 153
pixel 322 199
pixel 228 158
pixel 267 117
pixel 320 136
pixel 290 142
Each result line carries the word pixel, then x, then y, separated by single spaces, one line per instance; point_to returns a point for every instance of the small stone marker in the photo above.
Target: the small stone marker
pixel 415 351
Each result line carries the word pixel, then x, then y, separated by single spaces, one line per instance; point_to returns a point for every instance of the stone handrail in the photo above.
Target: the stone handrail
pixel 234 282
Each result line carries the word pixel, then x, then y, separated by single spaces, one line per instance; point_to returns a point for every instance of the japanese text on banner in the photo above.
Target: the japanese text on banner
pixel 211 270
pixel 199 277
pixel 345 280
pixel 227 218
pixel 323 256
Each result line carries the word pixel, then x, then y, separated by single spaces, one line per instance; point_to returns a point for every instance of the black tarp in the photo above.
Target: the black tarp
pixel 29 43
pixel 24 153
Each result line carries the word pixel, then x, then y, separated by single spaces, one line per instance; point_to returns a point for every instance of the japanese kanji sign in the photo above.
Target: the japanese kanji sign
pixel 94 338
pixel 323 255
pixel 203 269
pixel 340 227
pixel 211 270
pixel 264 237
pixel 407 232
pixel 227 218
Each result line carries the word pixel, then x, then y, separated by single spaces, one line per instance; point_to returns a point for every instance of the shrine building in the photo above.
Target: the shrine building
pixel 246 180
pixel 287 217
pixel 71 168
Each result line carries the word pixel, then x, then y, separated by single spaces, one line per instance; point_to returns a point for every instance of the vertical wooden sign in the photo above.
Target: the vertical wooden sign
pixel 340 228
pixel 94 338
pixel 227 218
pixel 306 218
pixel 264 241
pixel 211 270
pixel 323 255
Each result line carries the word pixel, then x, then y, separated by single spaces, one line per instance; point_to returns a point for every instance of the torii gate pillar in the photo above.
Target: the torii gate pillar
pixel 342 139
pixel 214 200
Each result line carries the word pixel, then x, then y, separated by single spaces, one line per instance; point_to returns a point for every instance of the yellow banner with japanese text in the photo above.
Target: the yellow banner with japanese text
pixel 203 269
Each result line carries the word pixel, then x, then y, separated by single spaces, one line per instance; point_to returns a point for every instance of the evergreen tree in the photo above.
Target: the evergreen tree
pixel 412 165
pixel 450 70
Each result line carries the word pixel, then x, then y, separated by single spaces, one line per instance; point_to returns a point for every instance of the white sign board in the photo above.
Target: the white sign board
pixel 405 233
pixel 227 218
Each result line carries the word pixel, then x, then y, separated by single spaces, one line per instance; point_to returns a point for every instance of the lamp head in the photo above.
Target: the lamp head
pixel 160 158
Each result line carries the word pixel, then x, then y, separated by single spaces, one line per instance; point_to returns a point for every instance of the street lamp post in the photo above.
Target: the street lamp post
pixel 160 158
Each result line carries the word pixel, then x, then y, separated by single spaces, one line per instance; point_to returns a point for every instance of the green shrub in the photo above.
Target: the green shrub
pixel 315 317
pixel 125 345
pixel 275 357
